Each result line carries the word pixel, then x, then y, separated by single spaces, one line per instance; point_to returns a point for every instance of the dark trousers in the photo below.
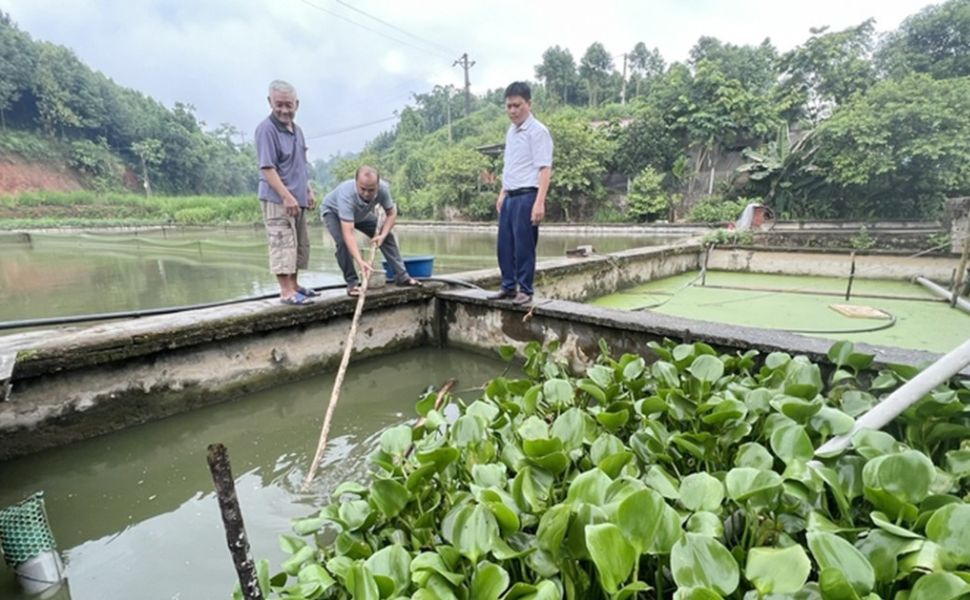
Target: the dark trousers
pixel 390 250
pixel 517 239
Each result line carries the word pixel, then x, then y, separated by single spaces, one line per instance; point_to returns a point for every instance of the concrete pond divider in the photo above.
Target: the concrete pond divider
pixel 79 382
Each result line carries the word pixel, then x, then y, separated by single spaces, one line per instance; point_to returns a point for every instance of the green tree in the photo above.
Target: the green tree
pixel 646 141
pixel 645 67
pixel 52 89
pixel 826 71
pixel 898 150
pixel 411 125
pixel 455 181
pixel 647 197
pixel 151 154
pixel 595 68
pixel 580 158
pixel 935 40
pixel 440 106
pixel 558 73
pixel 718 111
pixel 754 67
pixel 782 172
pixel 17 64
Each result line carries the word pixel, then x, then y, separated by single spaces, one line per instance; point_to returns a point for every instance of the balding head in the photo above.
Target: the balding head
pixel 368 181
pixel 367 172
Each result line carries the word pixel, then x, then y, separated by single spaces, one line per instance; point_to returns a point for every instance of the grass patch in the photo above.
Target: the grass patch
pixel 86 208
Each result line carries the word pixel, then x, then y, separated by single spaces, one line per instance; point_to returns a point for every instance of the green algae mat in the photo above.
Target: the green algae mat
pixel 797 303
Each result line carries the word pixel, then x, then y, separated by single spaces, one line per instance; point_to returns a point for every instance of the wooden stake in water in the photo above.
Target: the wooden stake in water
pixel 848 288
pixel 961 271
pixel 218 459
pixel 344 361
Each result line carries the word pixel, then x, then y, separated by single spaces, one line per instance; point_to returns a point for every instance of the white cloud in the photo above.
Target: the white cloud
pixel 394 62
pixel 218 55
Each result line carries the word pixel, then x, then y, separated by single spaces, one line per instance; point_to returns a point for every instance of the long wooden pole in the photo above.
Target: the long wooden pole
pixel 218 459
pixel 344 361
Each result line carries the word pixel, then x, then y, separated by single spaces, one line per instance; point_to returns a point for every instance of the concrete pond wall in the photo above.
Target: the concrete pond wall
pixel 70 384
pixel 868 265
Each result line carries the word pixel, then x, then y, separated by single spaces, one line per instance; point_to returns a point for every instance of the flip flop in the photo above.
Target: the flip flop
pixel 353 291
pixel 308 292
pixel 296 299
pixel 411 282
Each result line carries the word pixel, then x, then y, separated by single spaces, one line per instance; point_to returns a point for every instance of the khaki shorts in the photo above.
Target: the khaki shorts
pixel 289 243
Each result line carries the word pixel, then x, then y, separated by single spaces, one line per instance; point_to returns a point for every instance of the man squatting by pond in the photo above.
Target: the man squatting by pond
pixel 284 191
pixel 521 203
pixel 351 205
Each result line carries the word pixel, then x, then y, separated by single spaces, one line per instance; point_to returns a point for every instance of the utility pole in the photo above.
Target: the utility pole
pixel 623 85
pixel 466 64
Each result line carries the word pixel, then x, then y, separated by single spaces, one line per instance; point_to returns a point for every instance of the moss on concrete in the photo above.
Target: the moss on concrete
pixel 923 325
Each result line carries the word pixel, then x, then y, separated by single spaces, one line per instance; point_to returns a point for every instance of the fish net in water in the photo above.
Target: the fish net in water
pixel 24 531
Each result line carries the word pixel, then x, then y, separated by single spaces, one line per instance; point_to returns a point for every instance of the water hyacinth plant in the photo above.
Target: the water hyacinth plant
pixel 690 478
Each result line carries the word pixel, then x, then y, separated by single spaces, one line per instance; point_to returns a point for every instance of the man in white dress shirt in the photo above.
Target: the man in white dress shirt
pixel 521 204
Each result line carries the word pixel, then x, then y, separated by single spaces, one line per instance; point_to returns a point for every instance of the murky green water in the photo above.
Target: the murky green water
pixel 68 274
pixel 134 512
pixel 917 322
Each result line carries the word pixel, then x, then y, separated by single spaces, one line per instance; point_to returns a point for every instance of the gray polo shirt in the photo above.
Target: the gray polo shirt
pixel 285 151
pixel 347 205
pixel 528 148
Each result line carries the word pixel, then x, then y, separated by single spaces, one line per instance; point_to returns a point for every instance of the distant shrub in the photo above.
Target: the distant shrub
pixel 648 199
pixel 863 240
pixel 199 215
pixel 715 209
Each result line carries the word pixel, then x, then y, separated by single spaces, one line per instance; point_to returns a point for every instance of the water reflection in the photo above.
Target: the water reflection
pixel 67 274
pixel 134 511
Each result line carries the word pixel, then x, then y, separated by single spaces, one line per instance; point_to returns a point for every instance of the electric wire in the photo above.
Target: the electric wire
pixel 352 127
pixel 371 29
pixel 395 27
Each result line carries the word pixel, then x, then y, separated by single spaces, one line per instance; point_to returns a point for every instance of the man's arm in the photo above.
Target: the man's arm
pixel 500 200
pixel 274 181
pixel 347 230
pixel 386 227
pixel 539 208
pixel 311 198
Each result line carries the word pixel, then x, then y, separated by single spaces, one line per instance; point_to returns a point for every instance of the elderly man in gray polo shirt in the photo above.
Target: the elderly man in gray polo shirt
pixel 284 191
pixel 351 206
pixel 521 204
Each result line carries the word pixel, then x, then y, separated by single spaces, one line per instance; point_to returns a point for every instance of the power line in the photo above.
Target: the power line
pixel 448 51
pixel 351 128
pixel 372 30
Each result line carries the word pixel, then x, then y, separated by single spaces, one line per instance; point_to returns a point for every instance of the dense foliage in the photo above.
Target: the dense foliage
pixel 105 130
pixel 694 477
pixel 845 125
pixel 849 124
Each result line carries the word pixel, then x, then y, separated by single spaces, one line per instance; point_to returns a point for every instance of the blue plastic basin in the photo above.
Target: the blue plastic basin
pixel 416 266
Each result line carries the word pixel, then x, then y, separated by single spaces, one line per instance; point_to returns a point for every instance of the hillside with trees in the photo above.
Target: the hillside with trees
pixel 54 108
pixel 848 124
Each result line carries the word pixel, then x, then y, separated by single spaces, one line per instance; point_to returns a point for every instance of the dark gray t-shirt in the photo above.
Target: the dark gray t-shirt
pixel 285 151
pixel 347 205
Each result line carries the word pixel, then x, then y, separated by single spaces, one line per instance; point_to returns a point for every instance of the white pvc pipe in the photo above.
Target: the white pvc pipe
pixel 894 404
pixel 41 572
pixel 962 303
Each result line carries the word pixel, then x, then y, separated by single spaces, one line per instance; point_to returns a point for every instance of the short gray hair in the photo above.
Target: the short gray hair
pixel 278 85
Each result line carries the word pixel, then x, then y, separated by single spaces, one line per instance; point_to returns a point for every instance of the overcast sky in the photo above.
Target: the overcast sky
pixel 358 61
